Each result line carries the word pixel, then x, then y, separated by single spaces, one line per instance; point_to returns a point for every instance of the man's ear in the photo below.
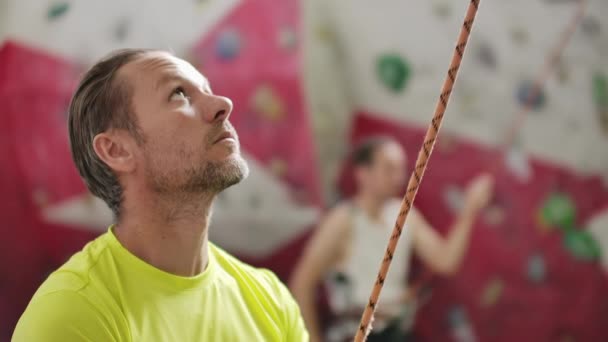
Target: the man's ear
pixel 116 149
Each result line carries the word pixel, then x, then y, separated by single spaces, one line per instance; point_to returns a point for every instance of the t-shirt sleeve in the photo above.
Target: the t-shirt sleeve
pixel 294 327
pixel 62 316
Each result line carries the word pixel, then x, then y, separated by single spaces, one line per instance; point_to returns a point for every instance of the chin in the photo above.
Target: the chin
pixel 239 161
pixel 235 169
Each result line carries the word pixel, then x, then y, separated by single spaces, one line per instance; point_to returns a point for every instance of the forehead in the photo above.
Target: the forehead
pixel 391 151
pixel 155 68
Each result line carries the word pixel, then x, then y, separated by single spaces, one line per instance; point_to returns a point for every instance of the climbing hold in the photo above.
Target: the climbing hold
pixel 453 198
pixel 519 35
pixel 528 94
pixel 122 29
pixel 559 211
pixel 591 26
pixel 288 39
pixel 492 292
pixel 442 10
pixel 57 10
pixel 228 44
pixel 581 245
pixel 536 269
pixel 267 103
pixel 278 167
pixel 487 56
pixel 600 91
pixel 393 71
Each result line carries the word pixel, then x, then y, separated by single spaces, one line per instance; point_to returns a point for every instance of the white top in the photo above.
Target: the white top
pixel 368 243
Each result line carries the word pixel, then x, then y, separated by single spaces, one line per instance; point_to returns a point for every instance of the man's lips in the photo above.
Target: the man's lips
pixel 224 136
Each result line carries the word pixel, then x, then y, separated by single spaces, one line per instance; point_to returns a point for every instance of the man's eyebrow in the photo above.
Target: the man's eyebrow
pixel 167 79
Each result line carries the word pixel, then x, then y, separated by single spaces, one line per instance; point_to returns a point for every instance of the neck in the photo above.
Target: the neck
pixel 371 204
pixel 170 234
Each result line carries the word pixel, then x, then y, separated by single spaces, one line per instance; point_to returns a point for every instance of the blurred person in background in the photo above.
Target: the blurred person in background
pixel 151 139
pixel 347 247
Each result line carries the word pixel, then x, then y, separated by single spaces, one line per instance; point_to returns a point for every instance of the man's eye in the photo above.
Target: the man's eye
pixel 178 94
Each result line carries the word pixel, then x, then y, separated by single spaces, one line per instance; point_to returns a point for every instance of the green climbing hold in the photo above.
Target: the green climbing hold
pixel 600 97
pixel 582 245
pixel 442 10
pixel 393 71
pixel 56 10
pixel 600 91
pixel 559 210
pixel 519 35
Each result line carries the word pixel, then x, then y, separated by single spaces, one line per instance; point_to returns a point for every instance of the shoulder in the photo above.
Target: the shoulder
pixel 342 210
pixel 393 207
pixel 281 305
pixel 74 274
pixel 394 204
pixel 242 272
pixel 264 292
pixel 417 217
pixel 63 315
pixel 340 216
pixel 262 282
pixel 66 302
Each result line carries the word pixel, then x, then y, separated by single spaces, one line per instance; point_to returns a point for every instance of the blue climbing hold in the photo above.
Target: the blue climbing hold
pixel 228 44
pixel 529 95
pixel 536 268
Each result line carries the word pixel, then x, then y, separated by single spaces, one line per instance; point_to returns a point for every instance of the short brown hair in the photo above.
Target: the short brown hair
pixel 364 152
pixel 102 101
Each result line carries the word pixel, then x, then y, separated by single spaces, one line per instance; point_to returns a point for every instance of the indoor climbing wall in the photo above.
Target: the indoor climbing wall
pixel 534 269
pixel 250 53
pixel 391 59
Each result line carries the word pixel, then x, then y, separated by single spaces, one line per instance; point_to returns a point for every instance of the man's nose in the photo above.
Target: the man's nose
pixel 217 108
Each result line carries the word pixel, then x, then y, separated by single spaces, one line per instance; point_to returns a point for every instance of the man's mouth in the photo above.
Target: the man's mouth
pixel 225 136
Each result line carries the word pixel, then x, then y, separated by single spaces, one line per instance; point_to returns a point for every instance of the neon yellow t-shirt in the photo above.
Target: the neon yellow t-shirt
pixel 104 293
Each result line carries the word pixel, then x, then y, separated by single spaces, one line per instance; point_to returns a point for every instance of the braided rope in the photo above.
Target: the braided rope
pixel 421 162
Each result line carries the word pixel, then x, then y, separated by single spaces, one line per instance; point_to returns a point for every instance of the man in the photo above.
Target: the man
pixel 151 139
pixel 352 239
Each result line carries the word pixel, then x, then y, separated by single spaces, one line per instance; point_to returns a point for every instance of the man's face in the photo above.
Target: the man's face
pixel 189 145
pixel 385 177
